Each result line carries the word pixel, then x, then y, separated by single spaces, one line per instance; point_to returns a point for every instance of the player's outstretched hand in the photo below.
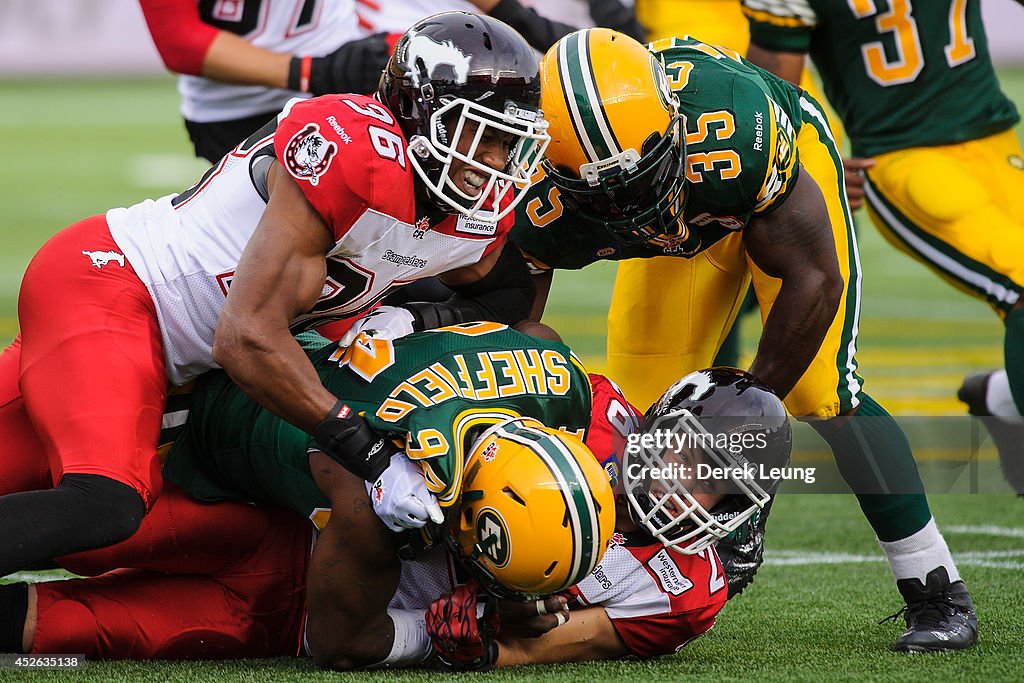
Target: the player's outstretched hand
pixel 401 498
pixel 385 322
pixel 534 618
pixel 463 631
pixel 853 172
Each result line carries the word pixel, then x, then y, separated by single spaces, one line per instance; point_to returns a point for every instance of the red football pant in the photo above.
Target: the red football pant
pixel 90 365
pixel 236 587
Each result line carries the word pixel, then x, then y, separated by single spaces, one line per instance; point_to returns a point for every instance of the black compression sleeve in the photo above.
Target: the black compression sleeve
pixel 504 295
pixel 13 610
pixel 85 511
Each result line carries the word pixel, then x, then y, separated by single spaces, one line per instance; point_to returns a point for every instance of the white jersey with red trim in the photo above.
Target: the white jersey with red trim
pixel 297 27
pixel 347 154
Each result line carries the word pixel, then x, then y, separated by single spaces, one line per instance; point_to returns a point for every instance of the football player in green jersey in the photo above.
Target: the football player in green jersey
pixel 915 87
pixel 687 151
pixel 454 398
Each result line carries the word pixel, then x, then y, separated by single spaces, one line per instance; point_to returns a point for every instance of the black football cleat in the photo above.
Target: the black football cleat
pixel 939 614
pixel 1007 436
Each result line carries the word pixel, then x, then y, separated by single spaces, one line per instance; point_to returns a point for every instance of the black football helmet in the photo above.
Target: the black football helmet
pixel 722 420
pixel 457 68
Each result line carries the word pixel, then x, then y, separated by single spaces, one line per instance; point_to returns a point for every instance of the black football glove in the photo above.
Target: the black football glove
pixel 355 67
pixel 348 439
pixel 615 15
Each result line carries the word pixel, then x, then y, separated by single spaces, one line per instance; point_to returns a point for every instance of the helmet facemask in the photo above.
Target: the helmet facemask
pixel 665 504
pixel 456 80
pixel 433 155
pixel 638 197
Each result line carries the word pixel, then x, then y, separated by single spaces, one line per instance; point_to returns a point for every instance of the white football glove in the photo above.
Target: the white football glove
pixel 401 498
pixel 385 322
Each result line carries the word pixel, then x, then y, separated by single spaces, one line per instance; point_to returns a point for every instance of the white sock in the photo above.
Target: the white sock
pixel 916 555
pixel 998 398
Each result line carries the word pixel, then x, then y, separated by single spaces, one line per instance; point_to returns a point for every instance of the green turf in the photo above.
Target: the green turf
pixel 78 148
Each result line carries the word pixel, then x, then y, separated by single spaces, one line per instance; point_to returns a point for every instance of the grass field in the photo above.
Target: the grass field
pixel 78 148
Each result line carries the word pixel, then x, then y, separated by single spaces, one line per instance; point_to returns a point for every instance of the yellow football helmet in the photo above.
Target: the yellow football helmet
pixel 618 142
pixel 537 510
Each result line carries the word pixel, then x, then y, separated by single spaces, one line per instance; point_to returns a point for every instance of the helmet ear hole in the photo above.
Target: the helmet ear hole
pixel 551 569
pixel 650 143
pixel 508 491
pixel 565 519
pixel 404 105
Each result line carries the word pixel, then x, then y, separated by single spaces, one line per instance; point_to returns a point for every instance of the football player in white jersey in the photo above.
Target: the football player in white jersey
pixel 313 218
pixel 240 62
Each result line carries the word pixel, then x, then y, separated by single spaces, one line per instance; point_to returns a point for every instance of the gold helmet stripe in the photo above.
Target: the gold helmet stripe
pixel 579 500
pixel 580 91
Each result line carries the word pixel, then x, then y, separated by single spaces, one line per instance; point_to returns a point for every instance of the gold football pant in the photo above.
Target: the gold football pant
pixel 669 315
pixel 959 209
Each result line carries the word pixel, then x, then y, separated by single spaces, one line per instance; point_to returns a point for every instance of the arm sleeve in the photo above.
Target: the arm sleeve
pixel 180 36
pixel 504 295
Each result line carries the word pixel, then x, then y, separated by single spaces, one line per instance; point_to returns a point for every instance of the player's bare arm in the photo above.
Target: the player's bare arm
pixel 795 244
pixel 353 574
pixel 588 636
pixel 787 65
pixel 280 275
pixel 233 59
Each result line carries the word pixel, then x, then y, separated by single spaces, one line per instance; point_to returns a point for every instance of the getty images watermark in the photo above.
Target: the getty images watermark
pixel 675 442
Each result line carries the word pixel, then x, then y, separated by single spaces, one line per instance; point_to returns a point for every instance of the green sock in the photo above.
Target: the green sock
pixel 1013 350
pixel 875 459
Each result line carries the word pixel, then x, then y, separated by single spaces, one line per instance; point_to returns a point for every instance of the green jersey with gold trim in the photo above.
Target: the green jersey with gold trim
pixel 900 73
pixel 431 392
pixel 741 160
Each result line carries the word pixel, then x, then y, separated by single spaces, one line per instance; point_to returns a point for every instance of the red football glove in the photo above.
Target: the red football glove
pixel 463 641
